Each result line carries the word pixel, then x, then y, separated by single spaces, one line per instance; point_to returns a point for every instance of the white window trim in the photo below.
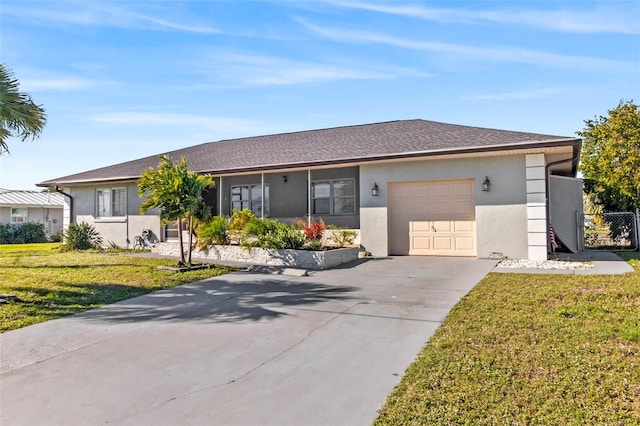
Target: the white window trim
pixel 110 217
pixel 113 219
pixel 332 197
pixel 24 218
pixel 266 205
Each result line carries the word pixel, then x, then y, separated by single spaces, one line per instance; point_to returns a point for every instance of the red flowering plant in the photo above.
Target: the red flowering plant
pixel 313 232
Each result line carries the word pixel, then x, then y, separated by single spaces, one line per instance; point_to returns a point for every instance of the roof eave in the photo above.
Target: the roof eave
pixel 576 143
pixel 33 206
pixel 53 183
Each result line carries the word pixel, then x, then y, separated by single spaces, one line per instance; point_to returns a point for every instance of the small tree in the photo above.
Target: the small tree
pixel 194 185
pixel 19 115
pixel 177 192
pixel 610 159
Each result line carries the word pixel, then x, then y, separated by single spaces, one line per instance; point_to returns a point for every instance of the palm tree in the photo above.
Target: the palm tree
pixel 193 202
pixel 177 192
pixel 19 116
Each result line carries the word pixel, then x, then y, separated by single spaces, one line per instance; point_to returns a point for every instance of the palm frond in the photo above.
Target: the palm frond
pixel 19 115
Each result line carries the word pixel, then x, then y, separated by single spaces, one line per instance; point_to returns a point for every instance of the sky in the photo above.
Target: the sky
pixel 122 80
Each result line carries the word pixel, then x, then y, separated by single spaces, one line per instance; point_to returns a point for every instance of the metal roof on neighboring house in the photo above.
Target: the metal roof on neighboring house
pixel 339 145
pixel 20 198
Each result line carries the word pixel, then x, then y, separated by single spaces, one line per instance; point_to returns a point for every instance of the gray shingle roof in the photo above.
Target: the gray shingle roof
pixel 359 143
pixel 15 198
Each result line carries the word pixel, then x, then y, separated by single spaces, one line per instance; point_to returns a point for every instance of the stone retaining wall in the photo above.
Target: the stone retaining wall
pixel 304 259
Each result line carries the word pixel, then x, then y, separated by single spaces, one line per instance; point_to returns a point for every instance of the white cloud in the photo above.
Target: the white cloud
pixel 246 69
pixel 56 84
pixel 219 127
pixel 163 23
pixel 103 15
pixel 459 52
pixel 603 18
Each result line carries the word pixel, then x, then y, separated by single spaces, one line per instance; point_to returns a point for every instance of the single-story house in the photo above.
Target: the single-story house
pixel 411 187
pixel 18 207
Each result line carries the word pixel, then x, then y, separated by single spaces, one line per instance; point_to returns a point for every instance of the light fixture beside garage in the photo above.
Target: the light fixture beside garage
pixel 284 178
pixel 374 190
pixel 486 185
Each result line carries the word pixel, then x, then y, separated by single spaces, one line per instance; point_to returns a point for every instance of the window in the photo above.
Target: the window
pixel 19 215
pixel 111 202
pixel 334 197
pixel 250 197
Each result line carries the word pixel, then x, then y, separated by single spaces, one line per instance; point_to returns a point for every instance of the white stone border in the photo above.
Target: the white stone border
pixel 544 264
pixel 306 259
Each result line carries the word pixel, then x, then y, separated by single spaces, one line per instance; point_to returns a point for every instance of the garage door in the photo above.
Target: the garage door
pixel 434 218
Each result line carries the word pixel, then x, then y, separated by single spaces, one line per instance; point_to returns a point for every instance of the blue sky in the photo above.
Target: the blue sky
pixel 123 79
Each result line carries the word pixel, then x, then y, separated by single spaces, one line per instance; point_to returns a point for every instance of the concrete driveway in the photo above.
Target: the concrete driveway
pixel 241 349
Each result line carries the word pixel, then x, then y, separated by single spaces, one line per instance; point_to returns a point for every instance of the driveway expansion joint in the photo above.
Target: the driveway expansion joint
pixel 242 376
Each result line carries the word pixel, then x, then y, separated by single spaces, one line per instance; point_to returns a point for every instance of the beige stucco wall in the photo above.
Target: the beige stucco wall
pixel 120 231
pixel 502 231
pixel 501 213
pixel 84 198
pixel 565 205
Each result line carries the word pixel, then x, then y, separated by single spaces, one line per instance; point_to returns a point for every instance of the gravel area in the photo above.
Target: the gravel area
pixel 544 264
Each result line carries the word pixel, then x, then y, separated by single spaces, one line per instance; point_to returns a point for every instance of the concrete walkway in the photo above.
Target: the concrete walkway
pixel 241 349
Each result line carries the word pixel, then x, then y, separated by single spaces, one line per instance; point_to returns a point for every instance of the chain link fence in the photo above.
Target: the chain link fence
pixel 610 231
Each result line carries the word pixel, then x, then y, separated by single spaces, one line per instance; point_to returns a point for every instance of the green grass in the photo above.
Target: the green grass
pixel 41 247
pixel 53 284
pixel 525 349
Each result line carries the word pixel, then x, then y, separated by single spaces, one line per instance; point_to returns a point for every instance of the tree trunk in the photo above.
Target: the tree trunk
pixel 180 241
pixel 190 239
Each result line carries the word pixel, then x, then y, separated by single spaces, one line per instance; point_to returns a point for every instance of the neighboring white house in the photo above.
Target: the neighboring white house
pixel 411 187
pixel 18 207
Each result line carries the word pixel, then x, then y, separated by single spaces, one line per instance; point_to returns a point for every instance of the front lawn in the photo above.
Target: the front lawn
pixel 530 349
pixel 52 284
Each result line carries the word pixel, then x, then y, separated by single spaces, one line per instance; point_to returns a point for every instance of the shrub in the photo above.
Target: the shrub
pixel 314 230
pixel 290 236
pixel 7 233
pixel 56 238
pixel 216 231
pixel 81 237
pixel 314 245
pixel 341 237
pixel 31 232
pixel 271 234
pixel 239 219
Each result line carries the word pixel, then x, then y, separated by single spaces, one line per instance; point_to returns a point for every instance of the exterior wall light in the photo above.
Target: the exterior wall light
pixel 374 190
pixel 486 185
pixel 284 178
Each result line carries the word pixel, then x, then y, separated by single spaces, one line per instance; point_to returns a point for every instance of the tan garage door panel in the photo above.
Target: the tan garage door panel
pixel 433 218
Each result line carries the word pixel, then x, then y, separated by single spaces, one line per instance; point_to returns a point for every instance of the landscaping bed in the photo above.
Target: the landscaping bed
pixel 244 238
pixel 292 258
